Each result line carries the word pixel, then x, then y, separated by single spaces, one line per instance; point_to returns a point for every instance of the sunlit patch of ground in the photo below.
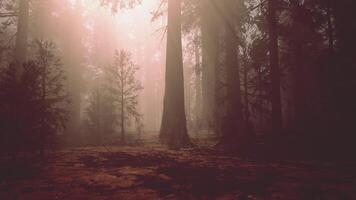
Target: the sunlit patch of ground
pixel 153 172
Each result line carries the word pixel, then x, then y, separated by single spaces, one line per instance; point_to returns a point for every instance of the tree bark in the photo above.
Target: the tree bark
pixel 73 61
pixel 274 67
pixel 330 29
pixel 210 43
pixel 122 109
pixel 234 130
pixel 22 34
pixel 173 128
pixel 246 99
pixel 198 92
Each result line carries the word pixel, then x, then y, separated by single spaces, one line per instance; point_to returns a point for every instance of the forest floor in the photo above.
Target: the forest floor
pixel 153 172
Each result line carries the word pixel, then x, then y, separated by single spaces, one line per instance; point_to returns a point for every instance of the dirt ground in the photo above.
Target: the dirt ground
pixel 153 172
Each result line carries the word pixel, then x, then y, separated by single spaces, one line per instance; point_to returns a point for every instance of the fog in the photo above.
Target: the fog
pixel 134 30
pixel 96 32
pixel 177 99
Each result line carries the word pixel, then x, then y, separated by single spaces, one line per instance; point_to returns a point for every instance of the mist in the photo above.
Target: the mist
pixel 177 99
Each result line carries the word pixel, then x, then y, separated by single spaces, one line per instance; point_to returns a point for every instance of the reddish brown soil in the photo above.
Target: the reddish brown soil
pixel 157 173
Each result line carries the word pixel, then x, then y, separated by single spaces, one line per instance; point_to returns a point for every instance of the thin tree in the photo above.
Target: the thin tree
pixel 124 71
pixel 198 84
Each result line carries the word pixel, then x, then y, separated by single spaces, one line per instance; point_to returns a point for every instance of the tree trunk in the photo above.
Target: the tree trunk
pixel 246 100
pixel 260 93
pixel 299 72
pixel 73 61
pixel 274 67
pixel 122 113
pixel 210 43
pixel 22 33
pixel 173 128
pixel 234 131
pixel 330 29
pixel 299 88
pixel 43 99
pixel 98 117
pixel 198 92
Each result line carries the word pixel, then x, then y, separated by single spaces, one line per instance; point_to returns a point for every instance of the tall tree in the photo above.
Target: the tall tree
pixel 33 103
pixel 198 90
pixel 274 67
pixel 234 131
pixel 210 46
pixel 73 58
pixel 53 97
pixel 22 33
pixel 173 128
pixel 342 77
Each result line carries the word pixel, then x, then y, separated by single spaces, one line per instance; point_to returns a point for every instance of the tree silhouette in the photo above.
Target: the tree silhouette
pixel 33 103
pixel 174 126
pixel 123 71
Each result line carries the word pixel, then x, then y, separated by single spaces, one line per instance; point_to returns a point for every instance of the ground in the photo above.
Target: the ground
pixel 154 172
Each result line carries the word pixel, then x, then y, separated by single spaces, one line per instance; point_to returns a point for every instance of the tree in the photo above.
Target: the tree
pixel 18 96
pixel 8 17
pixel 33 103
pixel 234 131
pixel 124 71
pixel 173 128
pixel 74 57
pixel 210 53
pixel 53 97
pixel 274 67
pixel 198 86
pixel 116 5
pixel 22 33
pixel 102 116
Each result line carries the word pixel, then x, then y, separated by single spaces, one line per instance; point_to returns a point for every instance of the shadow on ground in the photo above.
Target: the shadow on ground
pixel 158 173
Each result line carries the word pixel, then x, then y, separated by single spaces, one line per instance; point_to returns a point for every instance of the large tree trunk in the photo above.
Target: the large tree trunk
pixel 274 67
pixel 301 71
pixel 234 131
pixel 22 33
pixel 173 128
pixel 342 75
pixel 210 44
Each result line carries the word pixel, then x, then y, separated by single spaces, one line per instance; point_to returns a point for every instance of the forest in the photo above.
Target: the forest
pixel 177 99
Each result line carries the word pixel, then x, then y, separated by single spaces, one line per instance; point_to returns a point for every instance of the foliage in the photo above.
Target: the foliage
pixel 117 5
pixel 33 100
pixel 113 101
pixel 102 116
pixel 124 72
